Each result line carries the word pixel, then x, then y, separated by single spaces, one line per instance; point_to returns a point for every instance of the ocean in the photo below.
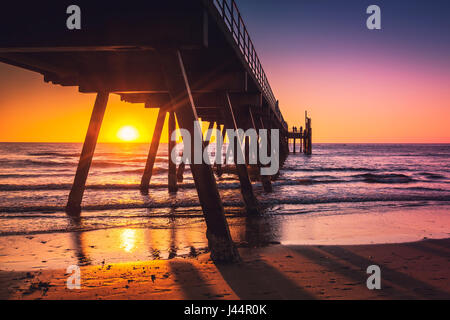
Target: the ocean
pixel 339 182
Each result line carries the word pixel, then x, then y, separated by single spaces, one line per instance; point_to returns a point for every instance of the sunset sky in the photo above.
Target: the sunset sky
pixel 358 85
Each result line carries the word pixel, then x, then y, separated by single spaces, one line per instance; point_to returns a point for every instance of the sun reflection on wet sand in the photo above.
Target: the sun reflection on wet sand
pixel 128 239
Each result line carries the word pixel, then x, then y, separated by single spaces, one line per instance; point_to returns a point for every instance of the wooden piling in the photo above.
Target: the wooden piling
pixel 263 126
pixel 180 170
pixel 219 170
pixel 224 136
pixel 265 180
pixel 73 207
pixel 182 165
pixel 209 133
pixel 250 201
pixel 305 140
pixel 172 176
pixel 218 234
pixel 300 144
pixel 295 132
pixel 146 177
pixel 309 152
pixel 247 149
pixel 284 146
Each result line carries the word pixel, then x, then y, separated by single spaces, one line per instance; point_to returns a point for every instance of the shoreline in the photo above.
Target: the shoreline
pixel 416 270
pixel 167 237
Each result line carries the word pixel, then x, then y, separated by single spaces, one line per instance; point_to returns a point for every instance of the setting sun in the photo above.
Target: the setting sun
pixel 128 133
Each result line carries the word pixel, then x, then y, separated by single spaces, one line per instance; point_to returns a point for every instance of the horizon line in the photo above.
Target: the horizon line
pixel 147 142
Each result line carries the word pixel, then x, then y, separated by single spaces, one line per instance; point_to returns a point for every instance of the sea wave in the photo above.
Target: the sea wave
pixel 284 180
pixel 68 186
pixel 54 154
pixel 433 176
pixel 34 175
pixel 385 178
pixel 262 202
pixel 77 154
pixel 118 186
pixel 24 163
pixel 331 169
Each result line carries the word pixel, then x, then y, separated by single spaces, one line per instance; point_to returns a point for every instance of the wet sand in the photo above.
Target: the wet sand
pixel 416 270
pixel 311 256
pixel 174 237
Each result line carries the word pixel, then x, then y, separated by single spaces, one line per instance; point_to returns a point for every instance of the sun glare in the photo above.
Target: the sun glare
pixel 127 133
pixel 128 239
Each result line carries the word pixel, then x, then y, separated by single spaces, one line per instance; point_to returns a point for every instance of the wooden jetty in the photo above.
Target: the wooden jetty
pixel 304 137
pixel 190 59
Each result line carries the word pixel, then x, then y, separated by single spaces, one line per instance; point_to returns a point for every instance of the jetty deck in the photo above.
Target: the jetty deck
pixel 190 59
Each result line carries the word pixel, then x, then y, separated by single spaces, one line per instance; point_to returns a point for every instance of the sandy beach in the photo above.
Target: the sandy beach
pixel 319 256
pixel 418 270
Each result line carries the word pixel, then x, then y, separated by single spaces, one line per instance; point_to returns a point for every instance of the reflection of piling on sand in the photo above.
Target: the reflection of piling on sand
pixel 82 257
pixel 79 245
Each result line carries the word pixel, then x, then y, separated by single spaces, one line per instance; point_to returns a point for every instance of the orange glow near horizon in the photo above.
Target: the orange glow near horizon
pixel 374 104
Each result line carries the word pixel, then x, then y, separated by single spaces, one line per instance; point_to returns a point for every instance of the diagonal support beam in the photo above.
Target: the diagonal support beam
pixel 218 234
pixel 180 172
pixel 219 170
pixel 209 133
pixel 172 165
pixel 265 180
pixel 73 207
pixel 146 177
pixel 181 167
pixel 250 201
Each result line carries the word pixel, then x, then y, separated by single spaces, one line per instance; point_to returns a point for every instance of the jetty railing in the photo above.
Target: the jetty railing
pixel 232 18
